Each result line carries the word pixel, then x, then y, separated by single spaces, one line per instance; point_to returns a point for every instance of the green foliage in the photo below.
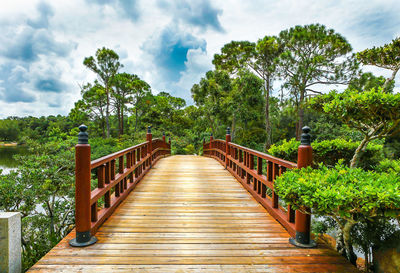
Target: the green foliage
pixel 388 166
pixel 386 56
pixel 42 190
pixel 9 130
pixel 329 152
pixel 350 193
pixel 363 204
pixel 374 113
pixel 367 81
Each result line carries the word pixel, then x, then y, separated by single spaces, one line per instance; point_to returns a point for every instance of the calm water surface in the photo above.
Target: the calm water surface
pixel 7 162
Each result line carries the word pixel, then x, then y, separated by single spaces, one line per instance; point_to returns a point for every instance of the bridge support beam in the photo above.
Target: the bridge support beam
pixel 303 220
pixel 82 191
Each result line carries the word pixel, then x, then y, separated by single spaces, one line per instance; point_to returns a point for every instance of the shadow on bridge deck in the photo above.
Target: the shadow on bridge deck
pixel 189 214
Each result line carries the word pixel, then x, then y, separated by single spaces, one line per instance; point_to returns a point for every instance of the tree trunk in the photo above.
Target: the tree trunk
pixel 136 118
pixel 356 156
pixel 103 127
pixel 389 80
pixel 340 243
pixel 119 118
pixel 268 141
pixel 122 119
pixel 108 111
pixel 351 256
pixel 300 113
pixel 233 127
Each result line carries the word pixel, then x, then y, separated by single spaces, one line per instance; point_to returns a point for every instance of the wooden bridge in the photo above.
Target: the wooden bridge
pixel 188 214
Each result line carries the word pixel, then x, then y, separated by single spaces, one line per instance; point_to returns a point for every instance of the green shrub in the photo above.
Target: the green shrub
pixel 341 191
pixel 330 152
pixel 388 165
pixel 351 196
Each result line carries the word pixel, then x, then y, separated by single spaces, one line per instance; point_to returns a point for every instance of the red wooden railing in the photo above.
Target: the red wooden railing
pixel 247 166
pixel 113 182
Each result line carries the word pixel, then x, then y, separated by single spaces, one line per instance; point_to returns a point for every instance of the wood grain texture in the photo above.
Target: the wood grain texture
pixel 189 214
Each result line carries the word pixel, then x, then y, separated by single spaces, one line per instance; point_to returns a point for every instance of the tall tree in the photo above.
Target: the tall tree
pixel 106 66
pixel 142 90
pixel 211 94
pixel 94 102
pixel 387 56
pixel 261 58
pixel 128 87
pixel 314 56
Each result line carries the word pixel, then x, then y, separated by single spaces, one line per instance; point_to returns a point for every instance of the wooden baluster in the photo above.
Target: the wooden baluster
pixel 121 171
pixel 251 163
pixel 256 185
pixel 135 159
pixel 248 176
pixel 128 166
pixel 270 171
pixel 275 173
pixel 133 164
pixel 116 188
pixel 245 174
pixel 100 176
pixel 93 212
pixel 107 195
pixel 112 170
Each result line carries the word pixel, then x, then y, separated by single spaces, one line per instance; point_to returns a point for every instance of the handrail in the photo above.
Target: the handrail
pixel 97 162
pixel 114 182
pixel 247 166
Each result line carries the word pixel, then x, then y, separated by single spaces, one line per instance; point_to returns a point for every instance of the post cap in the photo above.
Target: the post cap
pixel 211 134
pixel 204 140
pixel 163 134
pixel 305 136
pixel 228 130
pixel 83 137
pixel 149 130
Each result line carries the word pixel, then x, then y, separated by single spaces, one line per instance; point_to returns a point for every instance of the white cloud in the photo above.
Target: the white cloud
pixel 64 32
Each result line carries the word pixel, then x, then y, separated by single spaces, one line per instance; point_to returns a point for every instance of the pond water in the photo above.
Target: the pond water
pixel 7 162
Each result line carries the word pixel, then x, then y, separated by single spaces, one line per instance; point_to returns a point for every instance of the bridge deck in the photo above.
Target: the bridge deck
pixel 190 215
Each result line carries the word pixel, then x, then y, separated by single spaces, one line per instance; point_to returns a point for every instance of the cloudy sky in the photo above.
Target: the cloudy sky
pixel 170 44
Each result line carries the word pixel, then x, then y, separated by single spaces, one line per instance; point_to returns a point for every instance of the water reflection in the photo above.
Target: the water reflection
pixel 7 161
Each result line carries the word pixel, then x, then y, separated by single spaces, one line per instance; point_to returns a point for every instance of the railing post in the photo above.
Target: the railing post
pixel 149 138
pixel 211 139
pixel 82 191
pixel 163 137
pixel 227 140
pixel 303 220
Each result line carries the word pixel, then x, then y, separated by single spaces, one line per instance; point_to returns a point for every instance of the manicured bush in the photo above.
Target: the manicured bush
pixel 349 195
pixel 330 152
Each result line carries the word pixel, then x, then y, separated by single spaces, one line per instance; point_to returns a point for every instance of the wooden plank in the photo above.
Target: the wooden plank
pixel 189 214
pixel 196 268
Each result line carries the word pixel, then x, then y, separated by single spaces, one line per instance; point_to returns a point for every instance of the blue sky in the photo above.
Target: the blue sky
pixel 170 44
